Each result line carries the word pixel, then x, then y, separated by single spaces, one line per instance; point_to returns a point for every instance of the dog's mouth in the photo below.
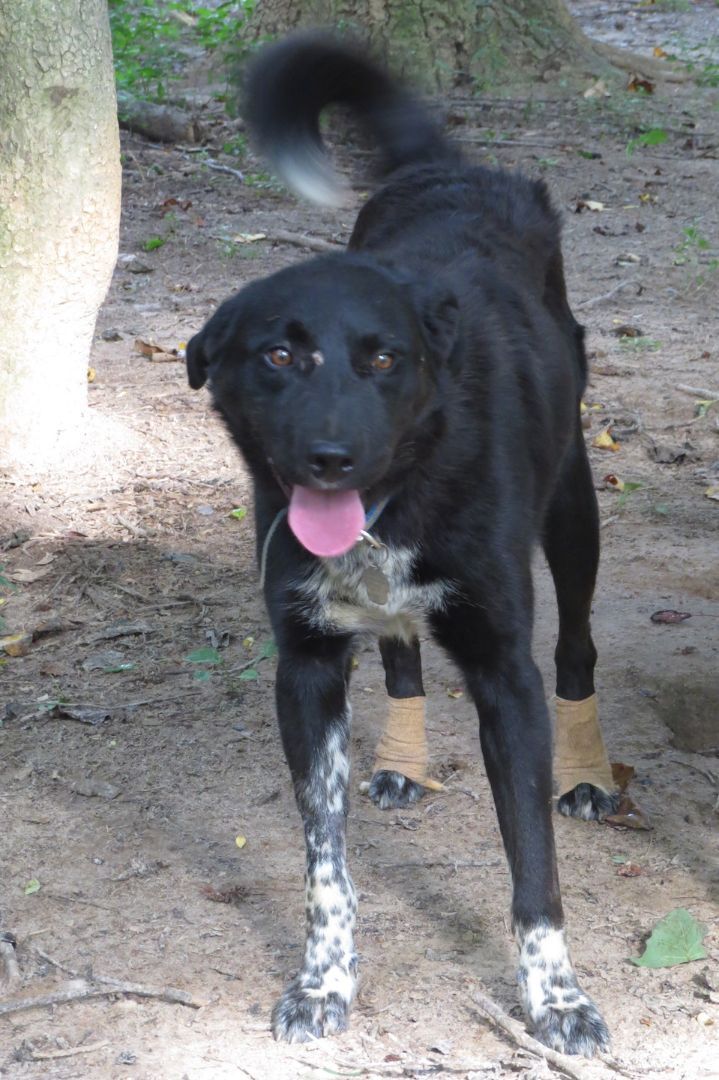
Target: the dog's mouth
pixel 327 523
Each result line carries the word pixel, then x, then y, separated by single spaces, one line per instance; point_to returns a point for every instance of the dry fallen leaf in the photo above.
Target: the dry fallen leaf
pixel 248 238
pixel 639 83
pixel 712 493
pixel 16 644
pixel 622 774
pixel 596 90
pixel 604 441
pixel 157 353
pixel 588 204
pixel 670 616
pixel 628 815
pixel 629 869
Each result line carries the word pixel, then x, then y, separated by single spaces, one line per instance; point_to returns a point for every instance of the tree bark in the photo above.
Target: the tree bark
pixel 485 43
pixel 59 212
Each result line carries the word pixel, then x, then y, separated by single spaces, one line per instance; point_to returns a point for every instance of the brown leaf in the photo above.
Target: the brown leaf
pixel 622 774
pixel 629 869
pixel 628 815
pixel 157 353
pixel 626 330
pixel 16 644
pixel 638 82
pixel 670 616
pixel 230 894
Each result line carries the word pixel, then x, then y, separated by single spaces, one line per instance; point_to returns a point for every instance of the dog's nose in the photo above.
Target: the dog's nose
pixel 329 461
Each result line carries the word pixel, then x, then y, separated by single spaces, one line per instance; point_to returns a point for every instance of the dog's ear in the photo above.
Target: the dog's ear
pixel 439 312
pixel 197 361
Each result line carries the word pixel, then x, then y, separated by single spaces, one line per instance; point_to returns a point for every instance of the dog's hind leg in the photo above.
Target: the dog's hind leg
pixel 314 721
pixel 391 788
pixel 492 648
pixel 571 544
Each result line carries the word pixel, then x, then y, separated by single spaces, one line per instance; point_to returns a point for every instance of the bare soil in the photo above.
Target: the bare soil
pixel 128 823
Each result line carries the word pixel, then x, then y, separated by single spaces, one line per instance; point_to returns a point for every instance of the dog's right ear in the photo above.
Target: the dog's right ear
pixel 197 361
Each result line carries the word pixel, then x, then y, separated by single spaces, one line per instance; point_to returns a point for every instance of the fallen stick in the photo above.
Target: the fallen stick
pixel 699 391
pixel 606 296
pixel 83 990
pixel 52 1055
pixel 314 243
pixel 570 1066
pixel 219 167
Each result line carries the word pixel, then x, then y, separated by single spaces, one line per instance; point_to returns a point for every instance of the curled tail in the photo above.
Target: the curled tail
pixel 292 82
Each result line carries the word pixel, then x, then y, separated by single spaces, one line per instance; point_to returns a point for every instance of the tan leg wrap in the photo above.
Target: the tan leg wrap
pixel 579 753
pixel 403 746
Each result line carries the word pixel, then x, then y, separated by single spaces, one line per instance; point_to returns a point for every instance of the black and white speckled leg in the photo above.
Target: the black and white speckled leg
pixel 561 1014
pixel 318 1000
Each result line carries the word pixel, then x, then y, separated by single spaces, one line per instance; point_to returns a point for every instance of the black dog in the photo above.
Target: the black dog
pixel 423 386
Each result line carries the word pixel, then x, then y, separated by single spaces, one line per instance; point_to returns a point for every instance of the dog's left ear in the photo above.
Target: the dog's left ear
pixel 439 313
pixel 197 361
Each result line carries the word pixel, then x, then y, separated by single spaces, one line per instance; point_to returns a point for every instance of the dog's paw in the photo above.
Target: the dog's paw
pixel 303 1014
pixel 576 1028
pixel 391 790
pixel 588 802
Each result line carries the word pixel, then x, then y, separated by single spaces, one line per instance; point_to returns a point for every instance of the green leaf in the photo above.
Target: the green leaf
pixel 267 650
pixel 248 675
pixel 205 655
pixel 677 939
pixel 239 513
pixel 202 675
pixel 153 243
pixel 32 886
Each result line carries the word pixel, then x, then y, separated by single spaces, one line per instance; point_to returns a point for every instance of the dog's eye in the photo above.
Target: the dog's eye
pixel 279 357
pixel 383 361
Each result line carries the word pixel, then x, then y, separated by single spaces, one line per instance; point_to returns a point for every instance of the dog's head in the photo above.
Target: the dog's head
pixel 329 371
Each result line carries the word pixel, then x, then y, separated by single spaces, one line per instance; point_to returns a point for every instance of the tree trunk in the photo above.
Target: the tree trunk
pixel 485 43
pixel 59 212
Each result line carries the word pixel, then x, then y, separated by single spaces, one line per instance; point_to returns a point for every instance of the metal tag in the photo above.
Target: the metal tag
pixel 376 584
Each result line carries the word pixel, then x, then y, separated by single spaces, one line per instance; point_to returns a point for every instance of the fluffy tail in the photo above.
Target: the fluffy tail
pixel 292 82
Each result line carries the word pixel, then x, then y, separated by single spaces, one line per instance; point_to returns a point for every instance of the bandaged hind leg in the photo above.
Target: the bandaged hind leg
pixel 400 774
pixel 580 760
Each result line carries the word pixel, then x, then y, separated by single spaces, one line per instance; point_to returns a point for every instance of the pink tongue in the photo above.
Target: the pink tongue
pixel 327 523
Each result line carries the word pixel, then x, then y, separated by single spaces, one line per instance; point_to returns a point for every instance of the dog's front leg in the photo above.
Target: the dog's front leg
pixel 314 718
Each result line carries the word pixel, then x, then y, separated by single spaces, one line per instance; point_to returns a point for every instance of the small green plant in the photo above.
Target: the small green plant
pixel 154 243
pixel 653 137
pixel 639 344
pixel 693 251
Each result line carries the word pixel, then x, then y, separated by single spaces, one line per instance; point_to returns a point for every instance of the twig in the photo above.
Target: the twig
pixel 702 772
pixel 72 993
pixel 314 243
pixel 568 1065
pixel 87 989
pixel 51 1055
pixel 606 296
pixel 82 990
pixel 698 391
pixel 450 864
pixel 211 164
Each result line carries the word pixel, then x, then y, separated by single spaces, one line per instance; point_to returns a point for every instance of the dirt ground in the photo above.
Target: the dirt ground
pixel 119 822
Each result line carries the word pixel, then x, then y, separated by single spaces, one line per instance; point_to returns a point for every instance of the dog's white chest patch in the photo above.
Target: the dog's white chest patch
pixel 367 591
